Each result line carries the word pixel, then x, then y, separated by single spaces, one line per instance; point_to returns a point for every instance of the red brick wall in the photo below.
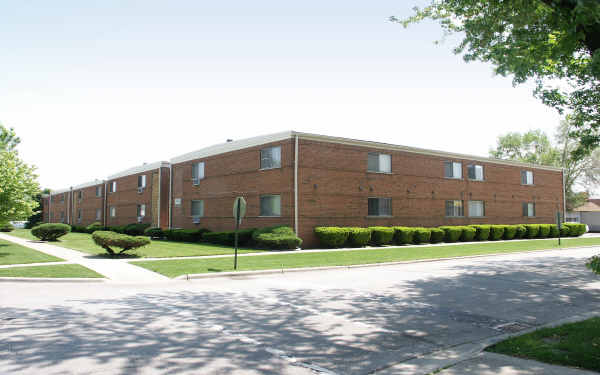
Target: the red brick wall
pixel 88 204
pixel 126 198
pixel 56 207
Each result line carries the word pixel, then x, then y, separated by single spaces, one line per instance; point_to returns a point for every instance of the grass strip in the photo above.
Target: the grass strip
pixel 157 249
pixel 177 267
pixel 11 253
pixel 54 271
pixel 573 344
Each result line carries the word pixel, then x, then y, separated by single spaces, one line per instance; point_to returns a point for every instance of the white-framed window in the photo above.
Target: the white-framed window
pixel 197 172
pixel 98 213
pixel 113 211
pixel 270 205
pixel 98 191
pixel 455 208
pixel 475 172
pixel 527 177
pixel 476 208
pixel 197 208
pixel 529 209
pixel 141 210
pixel 379 207
pixel 381 163
pixel 112 186
pixel 452 169
pixel 270 157
pixel 141 181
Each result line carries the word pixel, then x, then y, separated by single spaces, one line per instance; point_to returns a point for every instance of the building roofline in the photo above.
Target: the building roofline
pixel 270 138
pixel 139 169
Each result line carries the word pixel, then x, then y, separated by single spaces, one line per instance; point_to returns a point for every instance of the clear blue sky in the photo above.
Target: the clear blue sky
pixel 96 87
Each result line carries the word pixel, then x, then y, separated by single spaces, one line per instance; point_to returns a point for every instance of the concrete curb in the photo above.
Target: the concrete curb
pixel 325 268
pixel 54 279
pixel 447 357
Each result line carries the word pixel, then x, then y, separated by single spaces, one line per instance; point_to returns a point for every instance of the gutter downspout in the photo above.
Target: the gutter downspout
pixel 170 194
pixel 296 185
pixel 49 204
pixel 564 197
pixel 105 195
pixel 70 208
pixel 159 175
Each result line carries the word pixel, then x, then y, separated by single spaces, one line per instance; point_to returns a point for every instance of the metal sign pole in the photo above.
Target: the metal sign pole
pixel 237 226
pixel 558 224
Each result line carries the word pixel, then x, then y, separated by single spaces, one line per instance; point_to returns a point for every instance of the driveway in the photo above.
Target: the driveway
pixel 355 321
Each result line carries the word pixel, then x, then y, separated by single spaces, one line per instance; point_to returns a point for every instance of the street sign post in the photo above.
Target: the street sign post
pixel 558 224
pixel 239 210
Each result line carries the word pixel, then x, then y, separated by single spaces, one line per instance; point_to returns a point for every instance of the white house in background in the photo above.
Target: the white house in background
pixel 588 214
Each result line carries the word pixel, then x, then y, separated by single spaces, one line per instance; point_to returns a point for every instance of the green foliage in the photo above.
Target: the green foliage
pixel 154 232
pixel 532 230
pixel 403 235
pixel 227 238
pixel 94 227
pixel 521 231
pixel 109 240
pixel 50 231
pixel 332 236
pixel 510 231
pixel 18 188
pixel 6 227
pixel 437 235
pixel 575 229
pixel 358 237
pixel 185 235
pixel 468 233
pixel 544 231
pixel 565 231
pixel 8 139
pixel 136 229
pixel 553 231
pixel 547 41
pixel 451 233
pixel 594 264
pixel 421 235
pixel 381 235
pixel 78 229
pixel 482 232
pixel 278 237
pixel 496 232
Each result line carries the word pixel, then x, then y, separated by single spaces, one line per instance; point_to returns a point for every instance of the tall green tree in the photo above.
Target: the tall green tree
pixel 18 181
pixel 535 147
pixel 554 43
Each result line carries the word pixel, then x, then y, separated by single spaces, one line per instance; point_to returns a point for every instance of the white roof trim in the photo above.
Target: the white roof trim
pixel 232 146
pixel 139 169
pixel 88 184
pixel 257 141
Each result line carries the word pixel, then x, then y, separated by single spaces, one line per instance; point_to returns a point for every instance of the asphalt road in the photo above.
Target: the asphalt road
pixel 354 321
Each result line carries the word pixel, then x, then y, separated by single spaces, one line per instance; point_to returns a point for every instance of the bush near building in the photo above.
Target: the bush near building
pixel 7 227
pixel 333 237
pixel 109 240
pixel 50 231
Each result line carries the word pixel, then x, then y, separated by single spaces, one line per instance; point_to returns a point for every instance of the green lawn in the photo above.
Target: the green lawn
pixel 11 253
pixel 157 249
pixel 58 271
pixel 177 267
pixel 574 345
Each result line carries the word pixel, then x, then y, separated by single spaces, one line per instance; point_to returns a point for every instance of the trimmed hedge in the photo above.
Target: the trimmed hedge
pixel 78 229
pixel 544 231
pixel 482 232
pixel 532 230
pixel 185 235
pixel 136 229
pixel 575 229
pixel 521 231
pixel 553 230
pixel 403 235
pixel 358 237
pixel 108 240
pixel 496 232
pixel 437 235
pixel 278 237
pixel 228 238
pixel 565 231
pixel 421 235
pixel 154 232
pixel 7 227
pixel 50 231
pixel 451 233
pixel 332 236
pixel 381 235
pixel 468 234
pixel 94 227
pixel 510 231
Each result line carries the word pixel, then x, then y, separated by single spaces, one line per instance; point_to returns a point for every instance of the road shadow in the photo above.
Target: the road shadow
pixel 345 329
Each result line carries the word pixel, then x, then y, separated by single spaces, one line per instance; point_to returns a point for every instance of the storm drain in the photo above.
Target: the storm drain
pixel 512 327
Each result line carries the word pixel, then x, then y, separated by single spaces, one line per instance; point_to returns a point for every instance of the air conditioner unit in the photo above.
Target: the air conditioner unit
pixel 140 190
pixel 139 219
pixel 196 219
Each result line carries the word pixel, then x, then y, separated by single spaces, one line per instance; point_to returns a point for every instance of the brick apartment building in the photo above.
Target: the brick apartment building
pixel 307 180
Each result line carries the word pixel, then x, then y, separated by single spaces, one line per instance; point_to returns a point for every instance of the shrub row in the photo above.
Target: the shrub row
pixel 378 236
pixel 6 227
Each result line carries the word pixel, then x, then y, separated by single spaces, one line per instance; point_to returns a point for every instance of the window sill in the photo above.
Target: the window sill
pixel 453 178
pixel 267 169
pixel 269 216
pixel 379 216
pixel 476 217
pixel 527 184
pixel 378 172
pixel 476 180
pixel 455 217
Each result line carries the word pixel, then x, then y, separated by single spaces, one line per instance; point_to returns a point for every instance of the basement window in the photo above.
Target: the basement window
pixel 476 208
pixel 197 208
pixel 454 209
pixel 529 209
pixel 380 207
pixel 270 205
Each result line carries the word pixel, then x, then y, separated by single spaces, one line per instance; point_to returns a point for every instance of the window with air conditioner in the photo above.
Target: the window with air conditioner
pixel 141 210
pixel 270 205
pixel 454 208
pixel 452 169
pixel 380 163
pixel 197 210
pixel 113 211
pixel 197 172
pixel 270 157
pixel 379 207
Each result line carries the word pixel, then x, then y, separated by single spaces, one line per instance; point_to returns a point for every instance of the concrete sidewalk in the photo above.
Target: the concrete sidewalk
pixel 113 270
